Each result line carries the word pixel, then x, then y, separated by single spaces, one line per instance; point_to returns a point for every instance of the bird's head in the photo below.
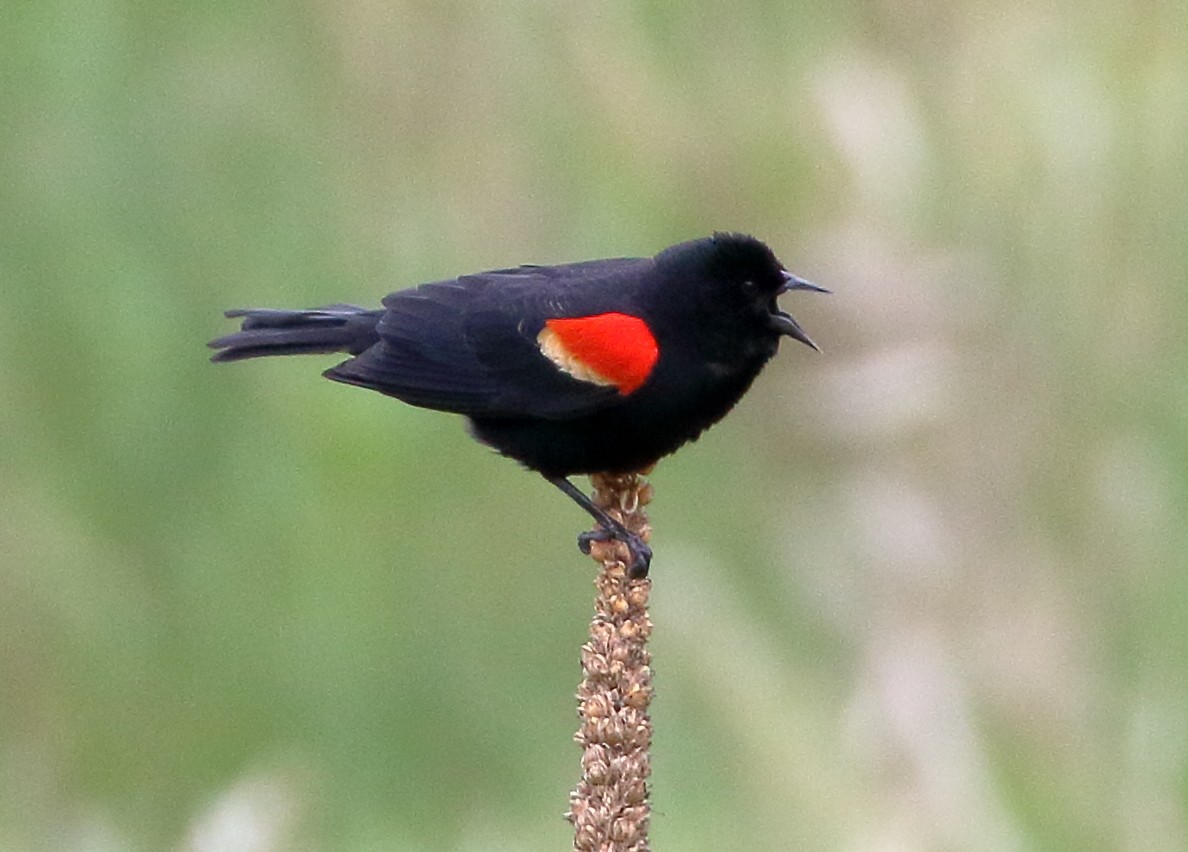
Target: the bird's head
pixel 738 276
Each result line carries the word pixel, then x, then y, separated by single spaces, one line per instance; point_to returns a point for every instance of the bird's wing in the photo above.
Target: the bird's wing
pixel 531 341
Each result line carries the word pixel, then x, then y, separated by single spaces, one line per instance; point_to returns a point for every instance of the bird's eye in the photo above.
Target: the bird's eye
pixel 749 285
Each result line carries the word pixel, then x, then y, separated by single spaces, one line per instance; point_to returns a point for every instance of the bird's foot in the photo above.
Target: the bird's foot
pixel 640 552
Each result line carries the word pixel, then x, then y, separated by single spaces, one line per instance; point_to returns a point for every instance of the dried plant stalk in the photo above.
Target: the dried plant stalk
pixel 609 808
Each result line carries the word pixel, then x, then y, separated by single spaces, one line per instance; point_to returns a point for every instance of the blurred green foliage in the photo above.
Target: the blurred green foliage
pixel 925 592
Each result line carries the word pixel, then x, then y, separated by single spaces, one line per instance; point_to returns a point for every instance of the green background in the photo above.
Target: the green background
pixel 924 592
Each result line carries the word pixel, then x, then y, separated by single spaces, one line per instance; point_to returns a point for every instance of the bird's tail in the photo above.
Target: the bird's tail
pixel 334 328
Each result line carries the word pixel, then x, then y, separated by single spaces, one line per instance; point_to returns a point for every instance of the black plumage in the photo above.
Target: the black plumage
pixel 527 356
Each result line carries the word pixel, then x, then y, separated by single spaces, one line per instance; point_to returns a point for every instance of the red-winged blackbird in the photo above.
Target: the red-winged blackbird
pixel 601 366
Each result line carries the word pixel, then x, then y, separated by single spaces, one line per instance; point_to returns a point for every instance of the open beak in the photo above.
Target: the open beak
pixel 782 323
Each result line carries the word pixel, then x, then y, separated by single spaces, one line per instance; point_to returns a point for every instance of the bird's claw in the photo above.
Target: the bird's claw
pixel 587 538
pixel 641 553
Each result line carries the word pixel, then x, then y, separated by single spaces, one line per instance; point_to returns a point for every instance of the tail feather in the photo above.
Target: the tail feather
pixel 266 331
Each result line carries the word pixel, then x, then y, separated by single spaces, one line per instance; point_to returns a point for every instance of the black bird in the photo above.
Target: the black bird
pixel 601 366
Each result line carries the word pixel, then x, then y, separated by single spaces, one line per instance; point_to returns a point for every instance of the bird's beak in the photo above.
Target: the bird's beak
pixel 784 324
pixel 792 282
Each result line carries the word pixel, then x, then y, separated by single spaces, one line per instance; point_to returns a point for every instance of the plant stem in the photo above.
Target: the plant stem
pixel 610 808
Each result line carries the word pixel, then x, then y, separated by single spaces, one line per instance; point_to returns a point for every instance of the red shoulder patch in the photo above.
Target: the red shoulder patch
pixel 605 349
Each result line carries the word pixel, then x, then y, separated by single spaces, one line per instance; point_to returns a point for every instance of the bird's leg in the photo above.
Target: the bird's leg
pixel 641 554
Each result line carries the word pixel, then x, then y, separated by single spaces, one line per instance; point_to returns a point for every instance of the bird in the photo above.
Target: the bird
pixel 601 366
